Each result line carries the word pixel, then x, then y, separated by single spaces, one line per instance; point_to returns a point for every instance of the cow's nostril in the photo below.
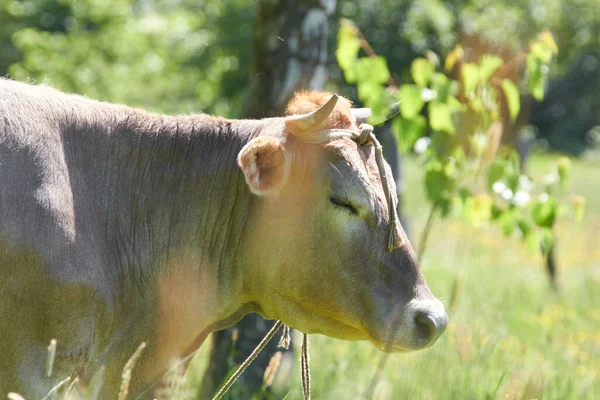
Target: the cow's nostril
pixel 426 326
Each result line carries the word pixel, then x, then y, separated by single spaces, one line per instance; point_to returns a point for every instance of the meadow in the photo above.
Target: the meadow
pixel 509 337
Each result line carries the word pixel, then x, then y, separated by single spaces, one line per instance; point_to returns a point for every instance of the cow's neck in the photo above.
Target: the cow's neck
pixel 171 205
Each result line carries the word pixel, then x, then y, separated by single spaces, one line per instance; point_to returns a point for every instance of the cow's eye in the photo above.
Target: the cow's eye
pixel 344 205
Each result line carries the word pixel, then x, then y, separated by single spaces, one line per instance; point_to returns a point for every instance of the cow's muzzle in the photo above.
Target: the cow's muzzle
pixel 427 319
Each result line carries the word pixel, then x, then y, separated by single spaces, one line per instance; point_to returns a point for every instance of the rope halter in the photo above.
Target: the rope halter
pixel 365 137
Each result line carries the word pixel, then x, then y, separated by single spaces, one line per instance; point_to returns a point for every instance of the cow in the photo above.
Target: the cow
pixel 120 226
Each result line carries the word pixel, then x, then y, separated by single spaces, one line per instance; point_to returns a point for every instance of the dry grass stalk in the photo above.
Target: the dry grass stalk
pixel 51 357
pixel 248 361
pixel 272 368
pixel 455 293
pixel 127 370
pixel 56 388
pixel 69 392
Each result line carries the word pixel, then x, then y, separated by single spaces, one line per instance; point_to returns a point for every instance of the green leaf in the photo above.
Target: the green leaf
pixel 544 212
pixel 476 103
pixel 370 92
pixel 548 40
pixel 454 56
pixel 508 223
pixel 563 167
pixel 408 131
pixel 452 101
pixel 372 69
pixel 546 237
pixel 421 69
pixel 478 209
pixel 440 117
pixel 512 181
pixel 540 50
pixel 536 77
pixel 496 212
pixel 532 241
pixel 513 99
pixel 470 77
pixel 443 86
pixel 496 172
pixel 439 186
pixel 488 65
pixel 525 228
pixel 348 46
pixel 410 101
pixel 443 144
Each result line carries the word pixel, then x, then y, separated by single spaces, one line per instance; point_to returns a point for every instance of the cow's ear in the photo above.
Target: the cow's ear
pixel 265 165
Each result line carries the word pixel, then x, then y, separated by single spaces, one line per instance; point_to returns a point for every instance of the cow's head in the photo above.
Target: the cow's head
pixel 318 257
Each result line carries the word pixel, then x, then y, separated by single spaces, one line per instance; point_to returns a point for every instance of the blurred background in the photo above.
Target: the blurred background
pixel 525 318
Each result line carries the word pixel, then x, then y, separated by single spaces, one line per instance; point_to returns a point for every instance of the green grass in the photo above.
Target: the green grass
pixel 509 336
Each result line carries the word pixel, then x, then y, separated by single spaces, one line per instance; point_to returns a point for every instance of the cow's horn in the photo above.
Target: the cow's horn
pixel 299 124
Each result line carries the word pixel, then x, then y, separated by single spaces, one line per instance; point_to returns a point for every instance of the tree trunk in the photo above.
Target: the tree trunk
pixel 290 53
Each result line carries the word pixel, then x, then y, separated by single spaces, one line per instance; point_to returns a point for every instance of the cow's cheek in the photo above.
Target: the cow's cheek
pixel 342 263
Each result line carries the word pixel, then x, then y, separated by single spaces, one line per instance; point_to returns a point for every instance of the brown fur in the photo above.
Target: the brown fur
pixel 118 226
pixel 304 102
pixel 263 162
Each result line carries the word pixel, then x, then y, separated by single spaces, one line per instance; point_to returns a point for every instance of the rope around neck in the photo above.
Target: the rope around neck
pixel 284 343
pixel 227 385
pixel 305 368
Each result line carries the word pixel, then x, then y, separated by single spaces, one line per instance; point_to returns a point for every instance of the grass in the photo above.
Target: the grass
pixel 509 337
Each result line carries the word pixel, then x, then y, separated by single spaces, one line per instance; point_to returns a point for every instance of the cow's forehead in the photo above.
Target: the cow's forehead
pixel 356 155
pixel 361 159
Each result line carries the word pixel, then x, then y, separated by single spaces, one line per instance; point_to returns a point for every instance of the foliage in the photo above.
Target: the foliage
pixel 456 124
pixel 416 26
pixel 180 56
pixel 187 55
pixel 502 28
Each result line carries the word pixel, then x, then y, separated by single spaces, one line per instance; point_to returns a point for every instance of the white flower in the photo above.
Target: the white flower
pixel 507 194
pixel 521 198
pixel 498 187
pixel 543 197
pixel 525 183
pixel 551 179
pixel 428 94
pixel 422 144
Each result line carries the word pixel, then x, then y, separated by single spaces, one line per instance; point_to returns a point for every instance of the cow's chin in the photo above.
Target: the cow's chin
pixel 402 346
pixel 310 322
pixel 338 329
pixel 335 329
pixel 390 333
pixel 385 336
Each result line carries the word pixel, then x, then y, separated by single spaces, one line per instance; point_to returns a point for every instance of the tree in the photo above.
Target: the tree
pixel 180 57
pixel 290 53
pixel 456 118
